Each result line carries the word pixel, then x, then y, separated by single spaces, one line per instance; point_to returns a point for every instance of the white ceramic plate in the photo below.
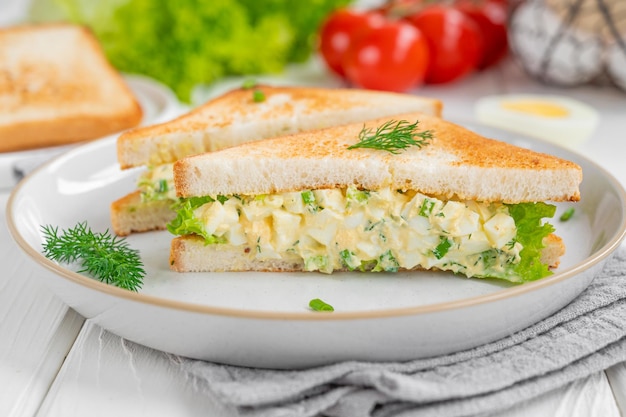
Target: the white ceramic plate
pixel 157 101
pixel 262 319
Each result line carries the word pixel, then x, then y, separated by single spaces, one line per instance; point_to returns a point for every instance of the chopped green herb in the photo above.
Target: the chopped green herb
pixel 163 187
pixel 308 197
pixel 567 214
pixel 442 248
pixel 318 305
pixel 258 96
pixel 386 262
pixel 319 262
pixel 153 190
pixel 107 258
pixel 222 199
pixel 427 208
pixel 357 196
pixel 349 259
pixel 393 136
pixel 309 200
pixel 371 225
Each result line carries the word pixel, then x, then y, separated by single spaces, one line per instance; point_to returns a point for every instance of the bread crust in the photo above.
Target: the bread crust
pixel 130 214
pixel 57 87
pixel 234 118
pixel 457 163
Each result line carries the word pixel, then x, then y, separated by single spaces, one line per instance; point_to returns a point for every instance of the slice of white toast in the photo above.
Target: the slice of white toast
pixel 456 163
pixel 235 118
pixel 57 87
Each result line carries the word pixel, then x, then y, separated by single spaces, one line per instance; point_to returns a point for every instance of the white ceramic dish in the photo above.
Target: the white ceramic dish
pixel 262 319
pixel 157 101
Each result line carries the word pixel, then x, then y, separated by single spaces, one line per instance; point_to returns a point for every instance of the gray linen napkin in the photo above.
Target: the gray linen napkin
pixel 587 336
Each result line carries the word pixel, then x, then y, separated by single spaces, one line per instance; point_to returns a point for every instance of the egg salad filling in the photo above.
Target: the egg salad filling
pixel 375 230
pixel 157 183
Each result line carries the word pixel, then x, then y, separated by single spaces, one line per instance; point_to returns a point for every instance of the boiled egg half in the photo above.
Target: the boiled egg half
pixel 557 119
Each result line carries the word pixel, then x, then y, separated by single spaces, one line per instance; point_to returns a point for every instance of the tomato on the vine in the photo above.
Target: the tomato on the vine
pixel 391 57
pixel 340 30
pixel 454 40
pixel 491 17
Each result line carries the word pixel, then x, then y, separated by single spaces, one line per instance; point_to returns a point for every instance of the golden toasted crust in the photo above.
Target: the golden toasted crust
pixel 553 249
pixel 235 118
pixel 456 163
pixel 191 254
pixel 129 214
pixel 57 87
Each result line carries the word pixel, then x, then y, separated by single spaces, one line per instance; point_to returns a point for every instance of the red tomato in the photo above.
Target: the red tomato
pixel 491 17
pixel 392 57
pixel 454 39
pixel 339 31
pixel 401 8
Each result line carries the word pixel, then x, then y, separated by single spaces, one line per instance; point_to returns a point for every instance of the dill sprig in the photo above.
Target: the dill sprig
pixel 393 136
pixel 105 257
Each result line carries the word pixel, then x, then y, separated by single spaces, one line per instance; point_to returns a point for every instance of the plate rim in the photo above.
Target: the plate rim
pixel 157 301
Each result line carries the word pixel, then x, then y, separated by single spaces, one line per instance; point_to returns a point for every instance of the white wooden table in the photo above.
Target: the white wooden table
pixel 54 363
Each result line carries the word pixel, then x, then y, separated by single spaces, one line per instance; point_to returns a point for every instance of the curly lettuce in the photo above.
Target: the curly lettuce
pixel 189 42
pixel 530 233
pixel 186 222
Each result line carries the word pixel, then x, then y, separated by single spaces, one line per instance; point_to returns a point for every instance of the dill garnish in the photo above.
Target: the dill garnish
pixel 393 136
pixel 105 257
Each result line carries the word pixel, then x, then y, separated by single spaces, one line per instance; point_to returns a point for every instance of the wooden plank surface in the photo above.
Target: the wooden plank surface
pixel 37 330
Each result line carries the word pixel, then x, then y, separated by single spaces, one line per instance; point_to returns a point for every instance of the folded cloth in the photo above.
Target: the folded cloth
pixel 586 336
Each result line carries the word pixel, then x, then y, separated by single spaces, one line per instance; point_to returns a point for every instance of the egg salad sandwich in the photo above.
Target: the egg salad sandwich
pixel 396 193
pixel 242 115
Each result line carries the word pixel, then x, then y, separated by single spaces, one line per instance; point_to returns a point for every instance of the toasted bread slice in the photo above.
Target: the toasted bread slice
pixel 57 87
pixel 131 214
pixel 235 118
pixel 191 254
pixel 456 163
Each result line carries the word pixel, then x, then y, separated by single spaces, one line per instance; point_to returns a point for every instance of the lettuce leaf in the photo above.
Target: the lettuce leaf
pixel 188 42
pixel 530 233
pixel 186 223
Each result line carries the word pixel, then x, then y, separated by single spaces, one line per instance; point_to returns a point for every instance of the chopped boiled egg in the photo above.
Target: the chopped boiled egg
pixel 380 230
